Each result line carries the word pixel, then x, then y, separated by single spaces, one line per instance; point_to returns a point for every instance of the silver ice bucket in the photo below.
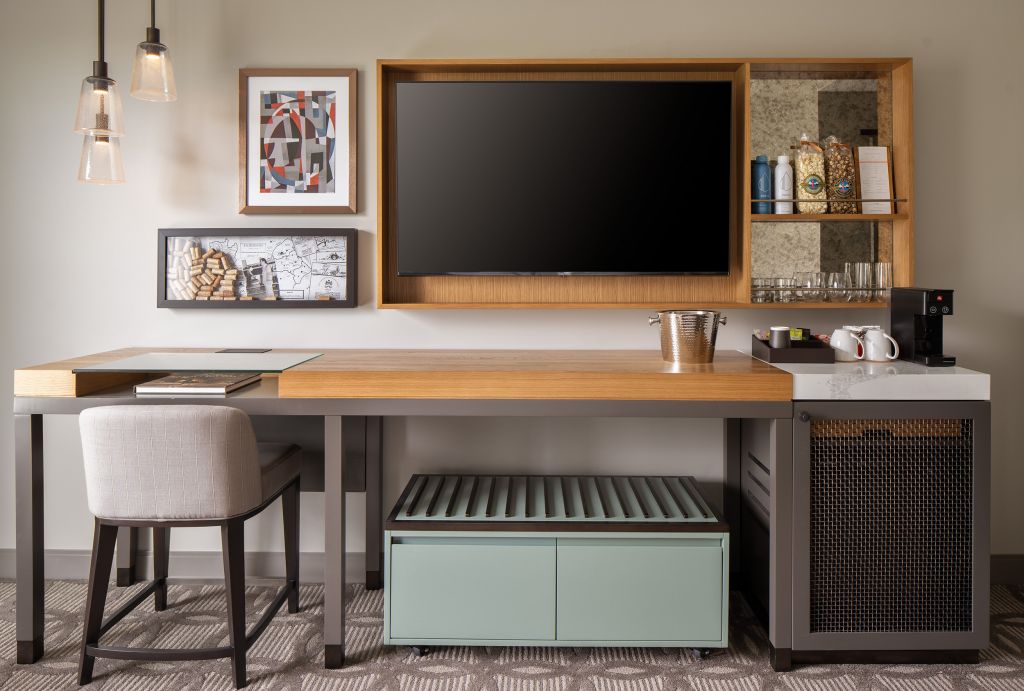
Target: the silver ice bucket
pixel 688 335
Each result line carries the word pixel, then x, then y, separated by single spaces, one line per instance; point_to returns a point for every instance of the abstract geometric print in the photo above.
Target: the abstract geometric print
pixel 297 141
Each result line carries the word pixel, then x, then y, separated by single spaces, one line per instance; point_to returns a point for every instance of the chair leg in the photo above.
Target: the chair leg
pixel 290 509
pixel 103 542
pixel 233 539
pixel 161 562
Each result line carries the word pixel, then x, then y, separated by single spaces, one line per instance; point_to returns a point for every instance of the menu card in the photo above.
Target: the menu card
pixel 873 171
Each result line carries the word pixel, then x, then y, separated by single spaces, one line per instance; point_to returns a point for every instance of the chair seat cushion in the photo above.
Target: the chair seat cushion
pixel 279 464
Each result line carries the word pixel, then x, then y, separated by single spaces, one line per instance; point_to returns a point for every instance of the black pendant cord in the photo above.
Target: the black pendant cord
pixel 152 33
pixel 99 68
pixel 101 24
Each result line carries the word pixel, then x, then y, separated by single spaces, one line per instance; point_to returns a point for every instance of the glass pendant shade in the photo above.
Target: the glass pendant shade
pixel 99 108
pixel 152 73
pixel 101 160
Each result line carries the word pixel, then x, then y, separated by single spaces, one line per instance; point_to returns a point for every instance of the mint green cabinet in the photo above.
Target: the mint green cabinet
pixel 641 589
pixel 553 560
pixel 472 588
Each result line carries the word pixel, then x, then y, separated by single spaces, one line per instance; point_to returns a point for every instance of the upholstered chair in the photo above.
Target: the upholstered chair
pixel 171 466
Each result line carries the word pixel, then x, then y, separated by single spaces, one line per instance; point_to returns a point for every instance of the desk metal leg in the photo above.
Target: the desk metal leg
pixel 733 494
pixel 780 585
pixel 28 483
pixel 334 544
pixel 374 503
pixel 127 549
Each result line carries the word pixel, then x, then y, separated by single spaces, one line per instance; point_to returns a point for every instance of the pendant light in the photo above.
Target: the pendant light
pixel 152 73
pixel 101 119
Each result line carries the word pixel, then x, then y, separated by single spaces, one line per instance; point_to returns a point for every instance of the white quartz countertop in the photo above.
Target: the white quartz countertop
pixel 897 380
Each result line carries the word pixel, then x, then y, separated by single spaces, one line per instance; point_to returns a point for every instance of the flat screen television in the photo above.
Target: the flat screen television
pixel 563 177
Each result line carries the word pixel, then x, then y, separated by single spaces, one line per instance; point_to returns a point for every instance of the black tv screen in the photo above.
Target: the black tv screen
pixel 559 177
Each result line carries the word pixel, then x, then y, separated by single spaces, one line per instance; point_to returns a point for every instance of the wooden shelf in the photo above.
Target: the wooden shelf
pixel 818 218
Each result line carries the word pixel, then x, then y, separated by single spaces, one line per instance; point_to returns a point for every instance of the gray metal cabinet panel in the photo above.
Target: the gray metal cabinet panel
pixel 893 459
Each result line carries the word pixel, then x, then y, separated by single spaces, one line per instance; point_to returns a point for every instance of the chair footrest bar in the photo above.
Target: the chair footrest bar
pixel 158 654
pixel 125 609
pixel 268 614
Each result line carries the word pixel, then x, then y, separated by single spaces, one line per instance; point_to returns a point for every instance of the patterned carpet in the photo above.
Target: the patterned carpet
pixel 290 654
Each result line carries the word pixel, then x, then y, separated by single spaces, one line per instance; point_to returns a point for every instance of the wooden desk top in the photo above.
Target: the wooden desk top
pixel 466 374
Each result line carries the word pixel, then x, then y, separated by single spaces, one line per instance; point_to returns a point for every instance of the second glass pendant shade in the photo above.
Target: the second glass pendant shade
pixel 99 108
pixel 101 161
pixel 152 73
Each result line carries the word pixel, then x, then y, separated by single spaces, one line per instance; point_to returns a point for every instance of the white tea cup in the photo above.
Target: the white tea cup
pixel 848 345
pixel 880 346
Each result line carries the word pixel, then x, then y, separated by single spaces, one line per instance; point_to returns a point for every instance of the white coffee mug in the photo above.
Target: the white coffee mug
pixel 880 346
pixel 848 345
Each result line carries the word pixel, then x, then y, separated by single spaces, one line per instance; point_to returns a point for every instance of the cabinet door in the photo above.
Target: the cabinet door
pixel 890 511
pixel 658 589
pixel 472 589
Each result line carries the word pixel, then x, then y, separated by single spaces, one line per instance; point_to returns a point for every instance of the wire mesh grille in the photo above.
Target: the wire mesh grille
pixel 890 524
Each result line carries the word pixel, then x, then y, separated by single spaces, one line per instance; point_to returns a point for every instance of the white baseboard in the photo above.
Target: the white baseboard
pixel 73 564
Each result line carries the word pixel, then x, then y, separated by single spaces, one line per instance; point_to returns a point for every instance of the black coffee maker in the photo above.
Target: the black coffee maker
pixel 916 324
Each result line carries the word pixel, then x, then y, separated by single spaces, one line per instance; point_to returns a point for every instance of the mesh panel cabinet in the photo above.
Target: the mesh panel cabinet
pixel 553 560
pixel 891 531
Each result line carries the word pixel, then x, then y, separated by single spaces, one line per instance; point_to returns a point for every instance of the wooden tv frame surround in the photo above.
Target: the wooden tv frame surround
pixel 647 292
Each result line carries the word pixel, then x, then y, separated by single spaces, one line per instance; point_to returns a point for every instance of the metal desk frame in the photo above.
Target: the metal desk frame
pixel 262 400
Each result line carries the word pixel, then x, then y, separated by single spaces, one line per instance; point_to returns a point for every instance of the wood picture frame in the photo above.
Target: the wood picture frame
pixel 341 267
pixel 275 193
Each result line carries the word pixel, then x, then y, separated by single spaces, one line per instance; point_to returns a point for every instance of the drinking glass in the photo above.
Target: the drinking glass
pixel 758 294
pixel 783 294
pixel 815 281
pixel 862 280
pixel 800 280
pixel 838 287
pixel 822 281
pixel 883 280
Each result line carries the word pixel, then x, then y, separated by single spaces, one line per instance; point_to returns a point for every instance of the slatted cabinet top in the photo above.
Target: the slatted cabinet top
pixel 466 502
pixel 468 374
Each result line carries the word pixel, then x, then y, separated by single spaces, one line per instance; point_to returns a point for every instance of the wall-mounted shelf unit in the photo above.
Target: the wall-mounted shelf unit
pixel 894 232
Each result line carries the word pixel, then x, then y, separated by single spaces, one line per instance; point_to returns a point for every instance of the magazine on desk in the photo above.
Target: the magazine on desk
pixel 200 383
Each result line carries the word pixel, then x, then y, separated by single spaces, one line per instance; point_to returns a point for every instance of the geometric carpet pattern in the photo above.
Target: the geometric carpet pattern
pixel 289 655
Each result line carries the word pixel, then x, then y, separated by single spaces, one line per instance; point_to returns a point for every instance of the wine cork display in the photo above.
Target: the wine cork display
pixel 301 270
pixel 198 275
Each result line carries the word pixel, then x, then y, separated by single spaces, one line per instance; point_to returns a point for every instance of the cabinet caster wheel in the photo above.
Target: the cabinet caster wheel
pixel 421 650
pixel 702 653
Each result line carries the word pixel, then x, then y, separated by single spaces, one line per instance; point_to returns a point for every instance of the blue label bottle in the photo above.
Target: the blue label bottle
pixel 761 182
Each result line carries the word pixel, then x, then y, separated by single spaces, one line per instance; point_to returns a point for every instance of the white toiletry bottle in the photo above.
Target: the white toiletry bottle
pixel 783 185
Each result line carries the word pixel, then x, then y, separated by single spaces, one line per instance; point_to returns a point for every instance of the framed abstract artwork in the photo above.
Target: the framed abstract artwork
pixel 297 141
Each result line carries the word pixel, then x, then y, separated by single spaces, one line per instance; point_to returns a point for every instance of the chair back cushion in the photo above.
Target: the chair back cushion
pixel 169 462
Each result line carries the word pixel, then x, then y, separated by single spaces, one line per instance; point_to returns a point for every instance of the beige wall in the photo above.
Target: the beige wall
pixel 78 261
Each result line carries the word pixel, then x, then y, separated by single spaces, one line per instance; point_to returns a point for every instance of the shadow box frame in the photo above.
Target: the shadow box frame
pixel 351 235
